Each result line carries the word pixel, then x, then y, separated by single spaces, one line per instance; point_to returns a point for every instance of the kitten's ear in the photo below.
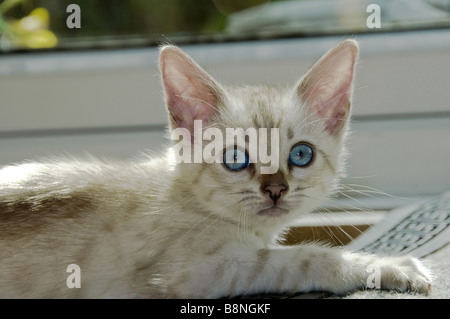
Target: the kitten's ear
pixel 191 94
pixel 327 87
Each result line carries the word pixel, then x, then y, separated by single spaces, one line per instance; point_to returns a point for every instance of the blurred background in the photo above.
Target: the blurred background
pixel 96 89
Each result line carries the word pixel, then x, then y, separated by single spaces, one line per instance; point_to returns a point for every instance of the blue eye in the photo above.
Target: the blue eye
pixel 301 155
pixel 235 159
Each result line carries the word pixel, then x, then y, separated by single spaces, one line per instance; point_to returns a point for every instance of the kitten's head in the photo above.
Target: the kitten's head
pixel 265 180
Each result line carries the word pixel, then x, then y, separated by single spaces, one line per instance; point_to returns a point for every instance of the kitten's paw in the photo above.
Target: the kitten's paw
pixel 405 274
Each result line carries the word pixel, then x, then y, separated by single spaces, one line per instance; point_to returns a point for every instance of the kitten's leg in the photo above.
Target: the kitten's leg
pixel 239 270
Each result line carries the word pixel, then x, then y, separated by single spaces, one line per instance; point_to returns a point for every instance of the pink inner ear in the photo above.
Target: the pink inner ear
pixel 190 94
pixel 332 104
pixel 326 89
pixel 190 104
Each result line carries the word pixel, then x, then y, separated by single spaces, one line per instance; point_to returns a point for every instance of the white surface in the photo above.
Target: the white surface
pixel 340 219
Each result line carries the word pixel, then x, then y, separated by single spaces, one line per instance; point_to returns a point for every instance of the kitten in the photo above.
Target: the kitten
pixel 161 227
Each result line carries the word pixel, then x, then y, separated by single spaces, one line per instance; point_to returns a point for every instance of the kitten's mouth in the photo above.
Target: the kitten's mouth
pixel 273 211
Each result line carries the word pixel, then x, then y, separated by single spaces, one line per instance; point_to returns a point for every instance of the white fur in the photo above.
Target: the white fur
pixel 154 228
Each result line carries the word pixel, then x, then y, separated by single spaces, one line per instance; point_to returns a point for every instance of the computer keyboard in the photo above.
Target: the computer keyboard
pixel 418 229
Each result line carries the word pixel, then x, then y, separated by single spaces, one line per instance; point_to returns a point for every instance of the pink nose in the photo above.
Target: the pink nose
pixel 275 191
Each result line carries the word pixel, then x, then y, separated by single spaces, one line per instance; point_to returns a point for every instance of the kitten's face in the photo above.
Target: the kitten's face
pixel 270 198
pixel 311 119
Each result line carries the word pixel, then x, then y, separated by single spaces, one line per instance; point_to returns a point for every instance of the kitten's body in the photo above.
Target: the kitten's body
pixel 155 228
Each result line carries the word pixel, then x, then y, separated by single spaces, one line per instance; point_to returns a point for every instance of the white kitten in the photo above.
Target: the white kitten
pixel 161 228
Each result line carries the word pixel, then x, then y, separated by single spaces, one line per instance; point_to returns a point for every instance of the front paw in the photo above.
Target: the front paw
pixel 402 274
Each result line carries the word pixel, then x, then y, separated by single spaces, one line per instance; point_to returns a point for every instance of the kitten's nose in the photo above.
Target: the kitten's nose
pixel 274 185
pixel 274 191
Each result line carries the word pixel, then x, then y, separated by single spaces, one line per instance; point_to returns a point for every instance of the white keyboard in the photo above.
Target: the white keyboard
pixel 418 229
